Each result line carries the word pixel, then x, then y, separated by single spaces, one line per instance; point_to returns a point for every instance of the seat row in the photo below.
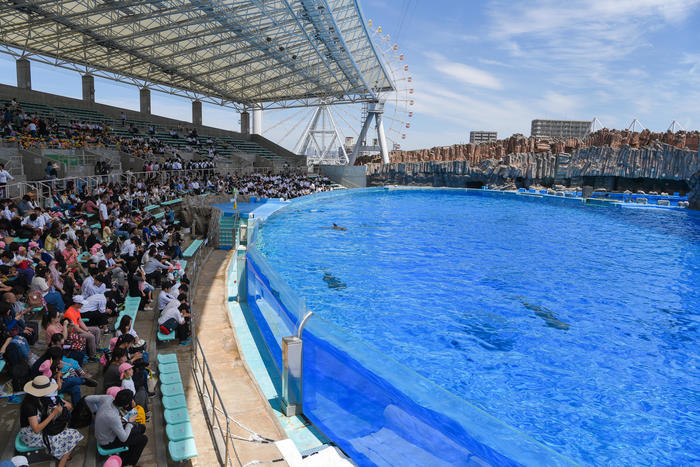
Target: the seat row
pixel 178 429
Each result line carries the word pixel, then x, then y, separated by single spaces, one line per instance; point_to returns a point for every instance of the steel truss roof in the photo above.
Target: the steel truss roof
pixel 238 53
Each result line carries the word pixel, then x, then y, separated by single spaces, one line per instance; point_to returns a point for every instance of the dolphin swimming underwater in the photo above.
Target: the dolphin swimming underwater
pixel 547 315
pixel 332 281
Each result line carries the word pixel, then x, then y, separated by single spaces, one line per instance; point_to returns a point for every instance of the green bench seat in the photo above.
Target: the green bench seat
pixel 110 452
pixel 170 378
pixel 165 368
pixel 20 447
pixel 166 337
pixel 172 389
pixel 192 249
pixel 182 450
pixel 176 416
pixel 164 358
pixel 179 432
pixel 172 201
pixel 159 215
pixel 96 226
pixel 177 401
pixel 151 207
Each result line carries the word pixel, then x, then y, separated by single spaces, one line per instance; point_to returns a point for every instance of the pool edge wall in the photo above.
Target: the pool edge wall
pixel 376 410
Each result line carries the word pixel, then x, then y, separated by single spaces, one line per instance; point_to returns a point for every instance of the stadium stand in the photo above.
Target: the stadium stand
pixel 65 119
pixel 101 269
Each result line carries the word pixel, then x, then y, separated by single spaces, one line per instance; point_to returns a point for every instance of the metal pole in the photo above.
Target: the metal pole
pixel 293 374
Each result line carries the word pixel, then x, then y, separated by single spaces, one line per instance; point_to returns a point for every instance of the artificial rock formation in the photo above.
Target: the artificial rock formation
pixel 518 143
pixel 657 161
pixel 694 194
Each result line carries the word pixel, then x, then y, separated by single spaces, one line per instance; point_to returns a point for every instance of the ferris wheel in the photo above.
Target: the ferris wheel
pixel 339 134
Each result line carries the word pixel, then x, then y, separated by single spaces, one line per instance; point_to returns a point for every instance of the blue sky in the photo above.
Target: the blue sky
pixel 498 64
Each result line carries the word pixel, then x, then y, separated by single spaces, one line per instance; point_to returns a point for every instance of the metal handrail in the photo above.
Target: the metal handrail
pixel 206 387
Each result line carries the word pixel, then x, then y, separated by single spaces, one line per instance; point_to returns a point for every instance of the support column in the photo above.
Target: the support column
pixel 245 123
pixel 197 113
pixel 89 88
pixel 381 137
pixel 257 121
pixel 24 74
pixel 145 100
pixel 363 135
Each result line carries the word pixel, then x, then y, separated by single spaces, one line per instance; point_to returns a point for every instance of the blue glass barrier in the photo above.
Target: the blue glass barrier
pixel 378 411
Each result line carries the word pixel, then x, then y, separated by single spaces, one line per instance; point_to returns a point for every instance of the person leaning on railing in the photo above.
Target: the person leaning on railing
pixel 4 177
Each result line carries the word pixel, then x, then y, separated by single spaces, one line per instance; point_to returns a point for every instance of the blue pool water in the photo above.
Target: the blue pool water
pixel 576 325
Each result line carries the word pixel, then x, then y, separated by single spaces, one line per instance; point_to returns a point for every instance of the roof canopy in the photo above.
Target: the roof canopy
pixel 278 53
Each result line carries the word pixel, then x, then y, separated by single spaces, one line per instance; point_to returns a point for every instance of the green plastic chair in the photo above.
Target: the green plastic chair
pixel 171 389
pixel 21 447
pixel 110 452
pixel 170 378
pixel 175 416
pixel 165 368
pixel 167 358
pixel 179 431
pixel 174 402
pixel 182 450
pixel 166 337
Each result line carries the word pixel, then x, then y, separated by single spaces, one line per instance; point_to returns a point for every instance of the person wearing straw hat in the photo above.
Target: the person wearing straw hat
pixel 43 420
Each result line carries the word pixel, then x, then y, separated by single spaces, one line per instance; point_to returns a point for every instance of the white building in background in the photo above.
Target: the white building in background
pixel 481 136
pixel 560 128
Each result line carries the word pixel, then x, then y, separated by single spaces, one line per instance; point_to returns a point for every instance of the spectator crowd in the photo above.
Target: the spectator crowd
pixel 66 270
pixel 28 130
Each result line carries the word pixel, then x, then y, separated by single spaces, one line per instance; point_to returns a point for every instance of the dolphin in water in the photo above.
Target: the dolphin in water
pixel 336 227
pixel 547 316
pixel 332 281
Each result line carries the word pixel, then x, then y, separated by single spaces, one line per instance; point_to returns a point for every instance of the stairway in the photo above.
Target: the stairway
pixel 226 226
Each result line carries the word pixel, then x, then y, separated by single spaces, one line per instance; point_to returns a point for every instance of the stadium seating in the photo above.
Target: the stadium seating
pixel 110 452
pixel 223 145
pixel 178 429
pixel 192 249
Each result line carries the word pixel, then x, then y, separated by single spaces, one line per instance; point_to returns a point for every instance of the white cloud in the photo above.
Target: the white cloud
pixel 463 73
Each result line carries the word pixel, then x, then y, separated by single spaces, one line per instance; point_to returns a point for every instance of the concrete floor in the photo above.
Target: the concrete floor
pixel 240 394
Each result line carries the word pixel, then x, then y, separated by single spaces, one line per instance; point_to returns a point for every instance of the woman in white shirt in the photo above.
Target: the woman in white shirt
pixel 125 328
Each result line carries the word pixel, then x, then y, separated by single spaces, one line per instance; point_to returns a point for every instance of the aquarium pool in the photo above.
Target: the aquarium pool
pixel 577 326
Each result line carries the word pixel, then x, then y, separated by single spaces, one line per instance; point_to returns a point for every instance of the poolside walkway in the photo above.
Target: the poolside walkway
pixel 241 396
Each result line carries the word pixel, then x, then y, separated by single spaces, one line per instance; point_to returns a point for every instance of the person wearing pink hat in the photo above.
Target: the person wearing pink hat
pixel 113 461
pixel 113 391
pixel 126 371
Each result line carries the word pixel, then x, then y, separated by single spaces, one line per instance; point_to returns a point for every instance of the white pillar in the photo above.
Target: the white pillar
pixel 381 137
pixel 257 121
